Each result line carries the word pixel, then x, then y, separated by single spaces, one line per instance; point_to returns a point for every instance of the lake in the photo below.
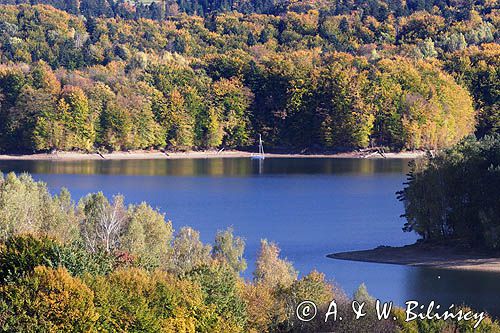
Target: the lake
pixel 309 207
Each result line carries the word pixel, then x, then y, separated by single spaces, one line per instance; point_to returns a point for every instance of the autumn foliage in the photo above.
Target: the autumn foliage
pixel 317 77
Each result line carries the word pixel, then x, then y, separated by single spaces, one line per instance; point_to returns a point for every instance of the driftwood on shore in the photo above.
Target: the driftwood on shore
pixel 160 154
pixel 373 151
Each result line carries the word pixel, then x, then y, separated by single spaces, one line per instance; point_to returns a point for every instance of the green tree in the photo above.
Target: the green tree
pixel 233 101
pixel 452 196
pixel 230 249
pixel 148 236
pixel 348 116
pixel 188 252
pixel 219 286
pixel 77 119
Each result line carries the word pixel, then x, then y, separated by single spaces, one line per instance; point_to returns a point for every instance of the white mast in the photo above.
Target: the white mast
pixel 261 146
pixel 260 155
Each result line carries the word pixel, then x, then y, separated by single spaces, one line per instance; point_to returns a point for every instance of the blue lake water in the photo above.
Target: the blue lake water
pixel 309 207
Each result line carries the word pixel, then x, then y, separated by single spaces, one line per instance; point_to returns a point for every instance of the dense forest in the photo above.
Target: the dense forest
pixel 157 10
pixel 337 75
pixel 454 195
pixel 102 266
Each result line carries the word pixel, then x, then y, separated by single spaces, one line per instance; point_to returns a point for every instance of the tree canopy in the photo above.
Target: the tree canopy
pixel 342 75
pixel 101 265
pixel 454 195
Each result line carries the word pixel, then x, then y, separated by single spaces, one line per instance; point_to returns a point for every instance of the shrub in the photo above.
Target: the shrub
pixel 49 300
pixel 20 255
pixel 26 206
pixel 219 286
pixel 133 300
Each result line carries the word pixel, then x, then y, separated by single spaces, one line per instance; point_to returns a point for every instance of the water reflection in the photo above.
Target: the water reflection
pixel 211 167
pixel 480 290
pixel 261 166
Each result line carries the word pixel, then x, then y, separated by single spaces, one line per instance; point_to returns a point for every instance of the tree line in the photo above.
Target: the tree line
pixel 159 10
pixel 107 108
pixel 453 196
pixel 302 79
pixel 169 105
pixel 104 265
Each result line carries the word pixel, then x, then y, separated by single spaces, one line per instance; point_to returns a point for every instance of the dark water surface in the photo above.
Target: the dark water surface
pixel 310 207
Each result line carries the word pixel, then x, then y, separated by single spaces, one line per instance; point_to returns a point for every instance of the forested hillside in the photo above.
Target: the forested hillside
pixel 317 75
pixel 379 9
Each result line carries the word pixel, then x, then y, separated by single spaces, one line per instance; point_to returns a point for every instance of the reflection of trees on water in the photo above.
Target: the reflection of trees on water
pixel 478 290
pixel 212 167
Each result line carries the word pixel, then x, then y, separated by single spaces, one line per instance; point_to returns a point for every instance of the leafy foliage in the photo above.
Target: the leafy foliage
pixel 149 281
pixel 47 300
pixel 454 195
pixel 336 75
pixel 229 249
pixel 272 270
pixel 220 288
pixel 20 255
pixel 26 206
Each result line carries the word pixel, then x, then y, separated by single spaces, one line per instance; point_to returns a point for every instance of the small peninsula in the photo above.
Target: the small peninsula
pixel 426 255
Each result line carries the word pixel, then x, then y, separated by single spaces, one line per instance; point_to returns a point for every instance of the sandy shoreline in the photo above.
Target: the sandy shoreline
pixel 424 255
pixel 146 155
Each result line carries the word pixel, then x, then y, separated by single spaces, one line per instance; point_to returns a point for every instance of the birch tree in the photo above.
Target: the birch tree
pixel 102 222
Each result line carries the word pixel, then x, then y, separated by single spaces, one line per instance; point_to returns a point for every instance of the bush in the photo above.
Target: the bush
pixel 20 255
pixel 133 300
pixel 219 286
pixel 49 300
pixel 26 206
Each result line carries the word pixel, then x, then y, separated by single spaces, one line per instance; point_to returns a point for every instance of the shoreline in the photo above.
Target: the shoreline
pixel 426 255
pixel 153 155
